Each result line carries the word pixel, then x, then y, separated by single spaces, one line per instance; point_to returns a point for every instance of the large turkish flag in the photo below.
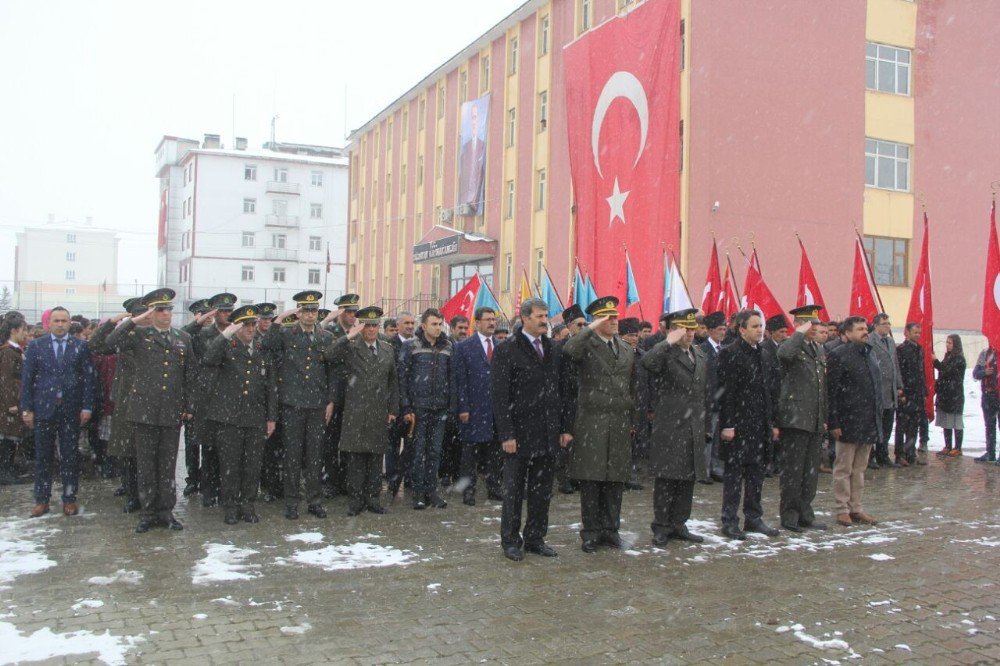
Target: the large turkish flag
pixel 623 121
pixel 991 295
pixel 922 312
pixel 865 301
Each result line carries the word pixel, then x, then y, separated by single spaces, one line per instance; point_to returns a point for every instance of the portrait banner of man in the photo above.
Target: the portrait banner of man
pixel 472 154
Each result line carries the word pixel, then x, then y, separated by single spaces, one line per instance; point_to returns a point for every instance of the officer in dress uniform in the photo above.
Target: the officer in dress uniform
pixel 266 313
pixel 338 323
pixel 243 407
pixel 270 468
pixel 368 395
pixel 302 353
pixel 575 321
pixel 202 311
pixel 160 399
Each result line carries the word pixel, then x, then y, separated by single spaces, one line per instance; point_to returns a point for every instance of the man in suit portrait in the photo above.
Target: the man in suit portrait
pixel 471 161
pixel 57 398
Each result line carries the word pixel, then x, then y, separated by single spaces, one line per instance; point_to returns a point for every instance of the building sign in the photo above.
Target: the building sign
pixel 436 249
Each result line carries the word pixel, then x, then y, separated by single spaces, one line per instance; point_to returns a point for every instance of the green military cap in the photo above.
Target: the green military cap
pixel 223 301
pixel 323 314
pixel 290 320
pixel 159 298
pixel 687 318
pixel 200 306
pixel 267 310
pixel 807 313
pixel 348 302
pixel 605 306
pixel 244 314
pixel 308 300
pixel 134 306
pixel 370 315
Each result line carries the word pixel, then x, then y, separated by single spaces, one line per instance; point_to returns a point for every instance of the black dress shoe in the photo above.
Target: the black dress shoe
pixel 567 488
pixel 376 508
pixel 174 524
pixel 292 513
pixel 436 501
pixel 354 510
pixel 131 506
pixel 683 534
pixel 872 464
pixel 231 518
pixel 588 546
pixel 190 489
pixel 542 549
pixel 208 501
pixel 633 485
pixel 986 458
pixel 660 539
pixel 317 510
pixel 791 527
pixel 707 481
pixel 717 477
pixel 268 498
pixel 812 526
pixel 144 525
pixel 613 540
pixel 513 553
pixel 121 490
pixel 250 516
pixel 496 497
pixel 760 527
pixel 469 501
pixel 734 532
pixel 418 505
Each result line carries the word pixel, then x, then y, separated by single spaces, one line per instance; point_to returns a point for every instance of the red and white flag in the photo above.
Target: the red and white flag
pixel 464 302
pixel 711 297
pixel 922 312
pixel 730 304
pixel 865 301
pixel 757 295
pixel 622 111
pixel 809 293
pixel 991 293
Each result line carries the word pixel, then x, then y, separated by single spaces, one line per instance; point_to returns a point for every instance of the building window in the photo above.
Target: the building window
pixel 420 170
pixel 889 258
pixel 249 172
pixel 421 112
pixel 584 10
pixel 279 241
pixel 683 44
pixel 249 205
pixel 887 165
pixel 70 291
pixel 441 101
pixel 70 238
pixel 405 131
pixel 402 179
pixel 435 283
pixel 439 162
pixel 512 62
pixel 543 36
pixel 508 271
pixel 316 211
pixel 463 87
pixel 508 212
pixel 511 126
pixel 247 273
pixel 681 158
pixel 484 73
pixel 540 202
pixel 315 243
pixel 887 69
pixel 279 274
pixel 539 264
pixel 70 275
pixel 281 175
pixel 71 256
pixel 543 110
pixel 317 178
pixel 313 276
pixel 460 274
pixel 388 186
pixel 248 237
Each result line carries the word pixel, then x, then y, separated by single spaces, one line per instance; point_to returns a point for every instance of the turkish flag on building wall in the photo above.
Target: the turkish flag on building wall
pixel 864 297
pixel 922 312
pixel 464 302
pixel 809 293
pixel 623 115
pixel 712 295
pixel 991 295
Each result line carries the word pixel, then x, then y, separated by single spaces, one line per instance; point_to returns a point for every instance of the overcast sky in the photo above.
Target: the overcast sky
pixel 91 87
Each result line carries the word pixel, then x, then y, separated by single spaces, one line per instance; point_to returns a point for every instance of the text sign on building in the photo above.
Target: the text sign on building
pixel 435 249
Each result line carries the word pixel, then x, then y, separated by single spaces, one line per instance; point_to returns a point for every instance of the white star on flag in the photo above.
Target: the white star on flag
pixel 617 204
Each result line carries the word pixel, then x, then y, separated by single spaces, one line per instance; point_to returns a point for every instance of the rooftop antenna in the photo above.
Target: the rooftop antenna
pixel 274 119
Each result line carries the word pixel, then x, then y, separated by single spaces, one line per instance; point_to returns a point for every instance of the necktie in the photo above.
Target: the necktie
pixel 374 352
pixel 60 348
pixel 538 348
pixel 489 350
pixel 611 346
pixel 691 355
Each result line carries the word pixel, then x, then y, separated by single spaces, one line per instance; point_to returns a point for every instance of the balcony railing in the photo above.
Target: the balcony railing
pixel 280 254
pixel 281 187
pixel 274 220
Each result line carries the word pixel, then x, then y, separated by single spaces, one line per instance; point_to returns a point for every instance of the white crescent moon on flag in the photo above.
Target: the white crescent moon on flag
pixel 809 296
pixel 468 302
pixel 996 291
pixel 620 84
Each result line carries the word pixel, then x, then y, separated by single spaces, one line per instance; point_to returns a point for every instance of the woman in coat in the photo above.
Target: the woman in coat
pixel 950 390
pixel 14 333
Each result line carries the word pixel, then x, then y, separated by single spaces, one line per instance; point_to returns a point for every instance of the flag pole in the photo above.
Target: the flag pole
pixel 732 275
pixel 683 281
pixel 868 267
pixel 326 272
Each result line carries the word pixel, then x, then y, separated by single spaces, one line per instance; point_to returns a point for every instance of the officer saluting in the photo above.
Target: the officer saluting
pixel 159 399
pixel 337 323
pixel 243 408
pixel 302 352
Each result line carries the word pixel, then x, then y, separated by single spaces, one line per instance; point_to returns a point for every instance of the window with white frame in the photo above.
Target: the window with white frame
pixel 71 256
pixel 512 56
pixel 543 110
pixel 279 274
pixel 315 243
pixel 441 101
pixel 70 275
pixel 279 207
pixel 543 36
pixel 247 273
pixel 484 73
pixel 248 239
pixel 70 238
pixel 313 276
pixel 281 174
pixel 508 270
pixel 279 241
pixel 887 165
pixel 249 205
pixel 509 205
pixel 540 199
pixel 584 15
pixel 511 126
pixel 70 291
pixel 316 211
pixel 887 69
pixel 250 172
pixel 316 178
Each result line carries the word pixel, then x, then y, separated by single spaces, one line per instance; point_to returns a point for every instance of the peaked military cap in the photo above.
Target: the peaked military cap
pixel 348 302
pixel 267 310
pixel 134 306
pixel 715 320
pixel 605 306
pixel 159 298
pixel 323 314
pixel 308 300
pixel 200 306
pixel 687 318
pixel 807 312
pixel 776 323
pixel 370 315
pixel 290 320
pixel 245 313
pixel 223 301
pixel 572 312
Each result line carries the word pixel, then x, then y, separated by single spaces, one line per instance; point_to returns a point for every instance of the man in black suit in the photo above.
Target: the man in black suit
pixel 715 323
pixel 747 426
pixel 528 412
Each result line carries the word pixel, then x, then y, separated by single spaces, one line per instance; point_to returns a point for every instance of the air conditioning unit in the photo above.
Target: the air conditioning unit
pixel 445 215
pixel 466 209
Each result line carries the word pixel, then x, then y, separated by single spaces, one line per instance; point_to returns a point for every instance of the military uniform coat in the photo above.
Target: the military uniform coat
pixel 368 393
pixel 121 443
pixel 682 412
pixel 604 404
pixel 245 392
pixel 163 373
pixel 306 372
pixel 803 397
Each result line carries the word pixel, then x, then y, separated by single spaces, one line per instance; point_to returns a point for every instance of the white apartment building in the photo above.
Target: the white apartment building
pixel 262 224
pixel 69 264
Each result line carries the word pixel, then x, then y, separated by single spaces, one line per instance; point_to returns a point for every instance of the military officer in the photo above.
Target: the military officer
pixel 601 456
pixel 368 394
pixel 274 451
pixel 243 406
pixel 160 399
pixel 338 323
pixel 202 311
pixel 575 321
pixel 302 353
pixel 801 419
pixel 680 426
pixel 343 320
pixel 266 313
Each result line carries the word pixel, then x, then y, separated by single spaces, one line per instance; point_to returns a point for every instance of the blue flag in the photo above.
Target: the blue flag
pixel 549 295
pixel 485 297
pixel 579 288
pixel 666 283
pixel 632 294
pixel 591 296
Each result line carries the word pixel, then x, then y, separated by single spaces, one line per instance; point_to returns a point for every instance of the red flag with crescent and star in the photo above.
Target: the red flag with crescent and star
pixel 623 119
pixel 991 292
pixel 463 302
pixel 922 312
pixel 809 293
pixel 713 295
